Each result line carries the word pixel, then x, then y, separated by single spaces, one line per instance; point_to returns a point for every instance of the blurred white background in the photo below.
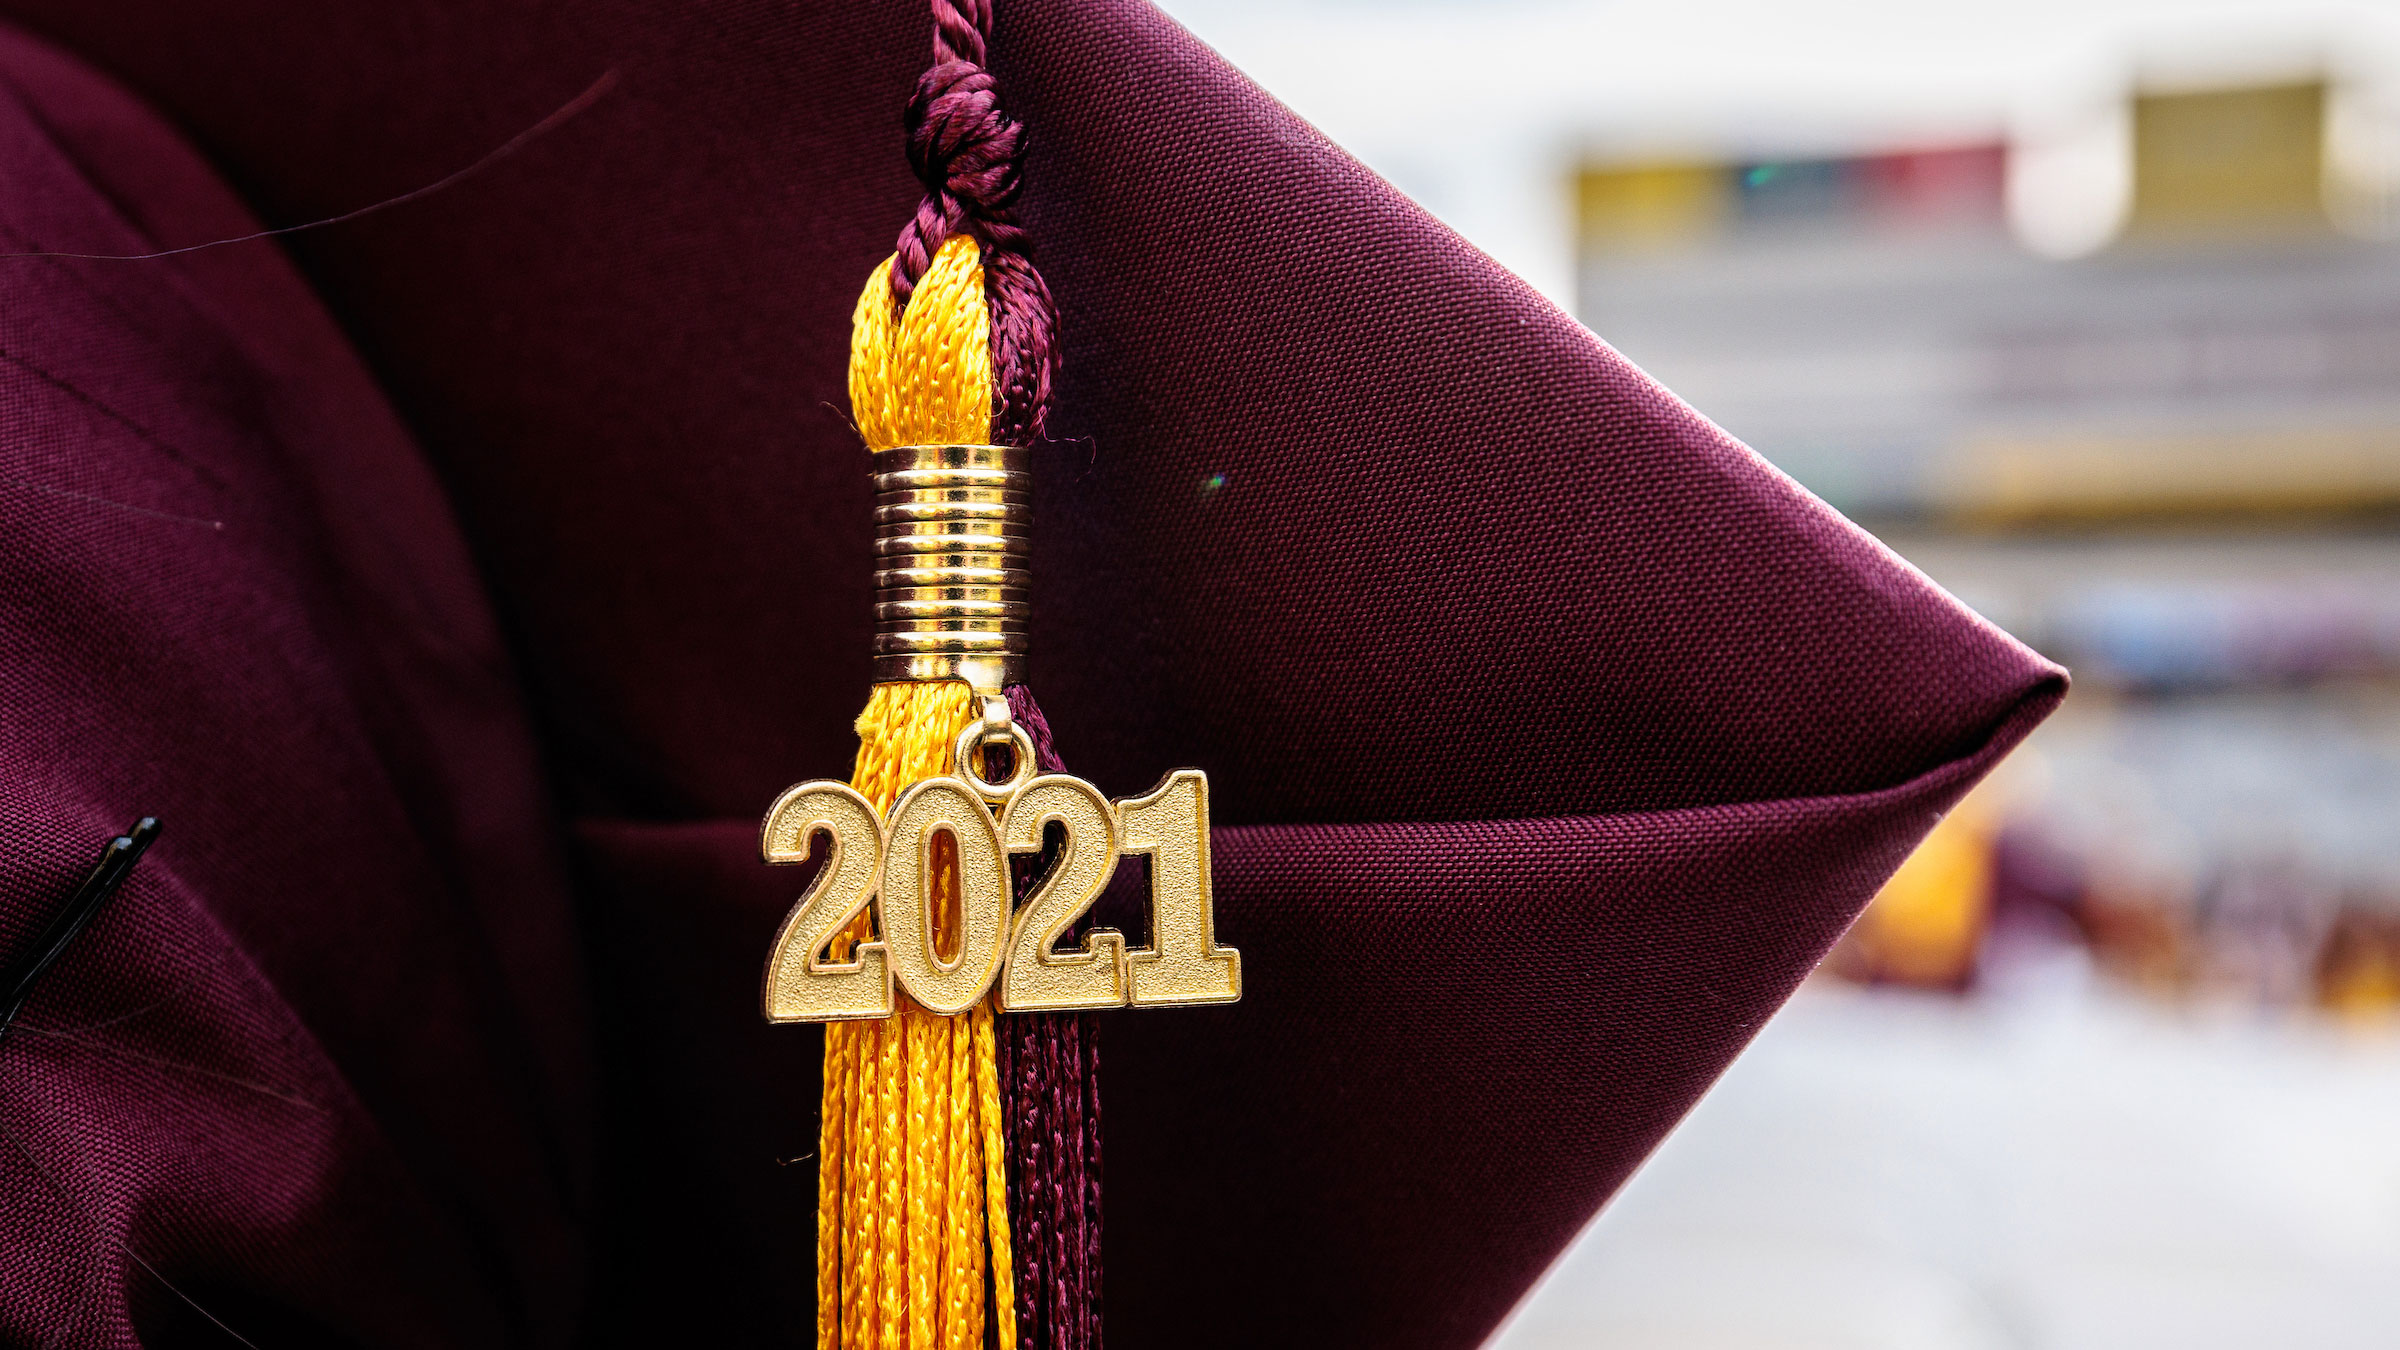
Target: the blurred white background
pixel 2091 310
pixel 1479 109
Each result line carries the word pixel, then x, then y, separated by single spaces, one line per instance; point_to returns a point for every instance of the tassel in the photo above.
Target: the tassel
pixel 912 1210
pixel 952 343
pixel 1050 1093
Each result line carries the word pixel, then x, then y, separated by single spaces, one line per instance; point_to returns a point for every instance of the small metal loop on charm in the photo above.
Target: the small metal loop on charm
pixel 951 539
pixel 975 738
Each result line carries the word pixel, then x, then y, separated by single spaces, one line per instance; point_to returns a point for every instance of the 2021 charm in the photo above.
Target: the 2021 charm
pixel 886 867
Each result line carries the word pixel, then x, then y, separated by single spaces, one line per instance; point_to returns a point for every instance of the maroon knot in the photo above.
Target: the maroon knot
pixel 966 151
pixel 969 153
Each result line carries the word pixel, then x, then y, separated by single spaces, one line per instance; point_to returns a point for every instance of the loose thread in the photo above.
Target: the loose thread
pixel 91 1217
pixel 17 981
pixel 565 113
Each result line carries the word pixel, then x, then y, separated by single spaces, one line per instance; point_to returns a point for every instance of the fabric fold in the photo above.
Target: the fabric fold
pixel 1372 1136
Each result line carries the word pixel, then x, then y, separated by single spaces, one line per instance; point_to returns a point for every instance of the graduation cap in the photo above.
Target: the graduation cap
pixel 464 580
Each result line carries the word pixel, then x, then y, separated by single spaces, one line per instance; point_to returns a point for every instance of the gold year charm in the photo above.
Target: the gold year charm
pixel 884 868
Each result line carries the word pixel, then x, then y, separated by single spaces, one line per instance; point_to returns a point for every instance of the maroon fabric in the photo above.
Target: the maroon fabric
pixel 321 1067
pixel 1495 653
pixel 1377 1146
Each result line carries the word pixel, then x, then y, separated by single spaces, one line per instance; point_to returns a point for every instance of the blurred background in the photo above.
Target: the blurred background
pixel 2092 311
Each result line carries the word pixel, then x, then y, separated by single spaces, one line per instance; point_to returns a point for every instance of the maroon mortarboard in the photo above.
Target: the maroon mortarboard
pixel 461 606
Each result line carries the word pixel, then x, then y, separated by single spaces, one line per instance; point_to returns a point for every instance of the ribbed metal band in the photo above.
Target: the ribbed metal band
pixel 951 529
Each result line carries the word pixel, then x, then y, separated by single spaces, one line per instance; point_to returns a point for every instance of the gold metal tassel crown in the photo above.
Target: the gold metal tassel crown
pixel 952 525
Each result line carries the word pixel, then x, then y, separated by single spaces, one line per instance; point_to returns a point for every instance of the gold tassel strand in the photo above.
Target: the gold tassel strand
pixel 912 1210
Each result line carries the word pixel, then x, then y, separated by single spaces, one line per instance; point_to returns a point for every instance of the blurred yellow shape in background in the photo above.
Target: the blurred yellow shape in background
pixel 1648 206
pixel 1925 927
pixel 2230 160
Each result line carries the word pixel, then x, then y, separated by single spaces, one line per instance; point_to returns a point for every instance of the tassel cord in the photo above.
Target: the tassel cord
pixel 953 342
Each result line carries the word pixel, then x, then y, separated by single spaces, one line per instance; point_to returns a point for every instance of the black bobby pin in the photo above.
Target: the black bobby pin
pixel 116 863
